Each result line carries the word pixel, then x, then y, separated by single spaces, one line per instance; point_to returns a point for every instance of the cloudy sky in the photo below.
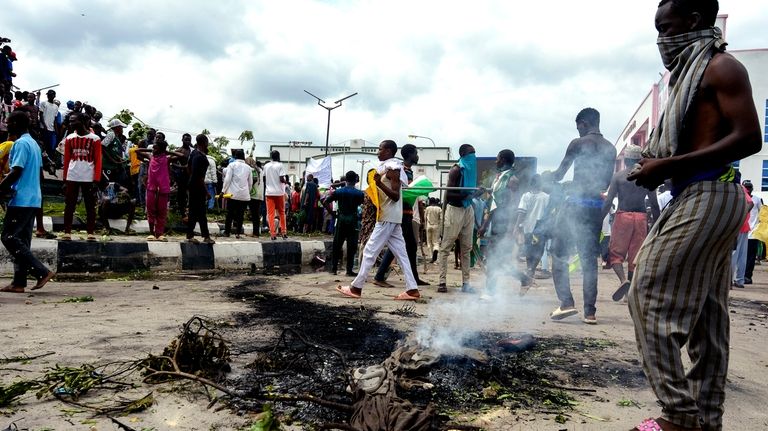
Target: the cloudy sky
pixel 497 74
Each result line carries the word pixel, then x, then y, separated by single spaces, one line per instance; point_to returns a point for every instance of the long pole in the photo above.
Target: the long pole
pixel 328 129
pixel 322 102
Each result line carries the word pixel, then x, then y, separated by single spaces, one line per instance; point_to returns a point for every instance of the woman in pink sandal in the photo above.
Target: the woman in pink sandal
pixel 388 179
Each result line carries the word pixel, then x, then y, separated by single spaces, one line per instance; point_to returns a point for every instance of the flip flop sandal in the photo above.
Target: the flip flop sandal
pixel 621 291
pixel 560 314
pixel 43 281
pixel 383 283
pixel 406 297
pixel 347 291
pixel 12 289
pixel 648 425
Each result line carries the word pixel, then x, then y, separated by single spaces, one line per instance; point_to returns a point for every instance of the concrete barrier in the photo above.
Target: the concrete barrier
pixel 80 257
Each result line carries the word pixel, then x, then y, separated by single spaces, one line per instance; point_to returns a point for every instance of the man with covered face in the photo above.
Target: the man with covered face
pixel 679 293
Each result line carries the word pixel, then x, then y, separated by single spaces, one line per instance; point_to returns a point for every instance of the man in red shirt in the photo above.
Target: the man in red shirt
pixel 82 171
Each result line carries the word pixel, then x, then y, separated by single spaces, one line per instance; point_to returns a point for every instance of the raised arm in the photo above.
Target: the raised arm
pixel 392 192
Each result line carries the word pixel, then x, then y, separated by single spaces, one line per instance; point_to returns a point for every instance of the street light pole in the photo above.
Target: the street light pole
pixel 422 137
pixel 322 102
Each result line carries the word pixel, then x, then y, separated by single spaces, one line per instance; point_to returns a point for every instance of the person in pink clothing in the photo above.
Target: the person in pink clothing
pixel 158 185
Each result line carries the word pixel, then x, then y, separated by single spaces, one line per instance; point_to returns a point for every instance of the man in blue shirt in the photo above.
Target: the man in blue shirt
pixel 349 198
pixel 23 185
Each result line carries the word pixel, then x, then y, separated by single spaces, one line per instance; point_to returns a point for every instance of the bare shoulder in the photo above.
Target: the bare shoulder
pixel 725 70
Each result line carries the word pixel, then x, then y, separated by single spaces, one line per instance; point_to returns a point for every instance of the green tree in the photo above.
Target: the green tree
pixel 247 135
pixel 138 129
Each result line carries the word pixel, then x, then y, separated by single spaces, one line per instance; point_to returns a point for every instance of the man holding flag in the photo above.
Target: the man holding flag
pixel 387 180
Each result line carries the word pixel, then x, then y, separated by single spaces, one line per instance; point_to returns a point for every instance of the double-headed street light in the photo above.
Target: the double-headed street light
pixel 337 103
pixel 422 137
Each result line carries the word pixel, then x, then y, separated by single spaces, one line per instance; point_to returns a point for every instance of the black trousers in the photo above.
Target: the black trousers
pixel 17 238
pixel 410 246
pixel 752 246
pixel 198 213
pixel 182 189
pixel 235 213
pixel 345 231
pixel 254 207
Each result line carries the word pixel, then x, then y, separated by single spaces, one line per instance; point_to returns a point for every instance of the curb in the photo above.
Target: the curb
pixel 81 257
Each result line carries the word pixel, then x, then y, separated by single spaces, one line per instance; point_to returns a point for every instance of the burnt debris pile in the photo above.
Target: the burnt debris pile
pixel 339 367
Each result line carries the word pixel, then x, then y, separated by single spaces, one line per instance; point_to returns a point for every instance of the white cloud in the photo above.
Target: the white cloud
pixel 494 73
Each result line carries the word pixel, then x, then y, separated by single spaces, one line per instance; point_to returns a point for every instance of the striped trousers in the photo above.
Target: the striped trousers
pixel 679 295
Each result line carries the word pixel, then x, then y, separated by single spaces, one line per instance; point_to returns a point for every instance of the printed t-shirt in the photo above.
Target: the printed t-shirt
pixel 82 158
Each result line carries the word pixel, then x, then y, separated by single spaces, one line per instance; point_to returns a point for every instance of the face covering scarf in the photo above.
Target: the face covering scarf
pixel 468 165
pixel 686 56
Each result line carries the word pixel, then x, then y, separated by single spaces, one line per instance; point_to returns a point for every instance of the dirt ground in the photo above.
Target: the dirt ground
pixel 128 319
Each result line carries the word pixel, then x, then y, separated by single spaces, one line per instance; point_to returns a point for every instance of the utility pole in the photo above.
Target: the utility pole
pixel 322 104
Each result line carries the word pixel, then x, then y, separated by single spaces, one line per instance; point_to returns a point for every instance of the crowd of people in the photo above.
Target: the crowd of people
pixel 677 214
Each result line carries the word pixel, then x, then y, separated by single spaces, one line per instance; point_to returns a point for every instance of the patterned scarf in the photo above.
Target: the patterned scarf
pixel 686 56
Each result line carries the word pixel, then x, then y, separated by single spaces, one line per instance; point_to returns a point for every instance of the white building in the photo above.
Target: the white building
pixel 755 167
pixel 359 155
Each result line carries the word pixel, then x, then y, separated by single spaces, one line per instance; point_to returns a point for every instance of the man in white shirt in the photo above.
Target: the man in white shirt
pixel 237 182
pixel 48 111
pixel 388 231
pixel 210 181
pixel 275 179
pixel 530 211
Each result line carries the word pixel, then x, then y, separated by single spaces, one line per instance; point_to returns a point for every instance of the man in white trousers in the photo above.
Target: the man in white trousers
pixel 389 179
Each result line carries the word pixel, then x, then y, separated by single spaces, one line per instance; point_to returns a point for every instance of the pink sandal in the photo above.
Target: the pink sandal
pixel 347 291
pixel 649 424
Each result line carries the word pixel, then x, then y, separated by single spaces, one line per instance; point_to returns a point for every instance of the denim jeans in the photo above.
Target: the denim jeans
pixel 17 237
pixel 739 258
pixel 580 227
pixel 211 191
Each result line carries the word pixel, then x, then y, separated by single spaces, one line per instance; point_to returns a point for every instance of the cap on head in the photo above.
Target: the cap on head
pixel 116 123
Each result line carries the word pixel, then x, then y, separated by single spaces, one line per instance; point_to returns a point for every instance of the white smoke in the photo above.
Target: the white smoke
pixel 456 318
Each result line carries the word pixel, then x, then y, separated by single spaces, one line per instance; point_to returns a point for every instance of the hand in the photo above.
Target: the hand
pixel 377 178
pixel 481 232
pixel 650 173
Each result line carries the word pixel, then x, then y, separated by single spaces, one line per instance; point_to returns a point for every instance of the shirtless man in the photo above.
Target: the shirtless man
pixel 630 227
pixel 679 293
pixel 593 158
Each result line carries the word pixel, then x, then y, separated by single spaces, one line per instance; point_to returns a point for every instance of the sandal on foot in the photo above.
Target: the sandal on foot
pixel 621 291
pixel 560 314
pixel 91 238
pixel 43 281
pixel 347 291
pixel 407 297
pixel 442 288
pixel 12 289
pixel 66 237
pixel 383 283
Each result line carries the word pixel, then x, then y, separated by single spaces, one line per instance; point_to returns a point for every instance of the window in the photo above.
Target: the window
pixel 765 176
pixel 765 138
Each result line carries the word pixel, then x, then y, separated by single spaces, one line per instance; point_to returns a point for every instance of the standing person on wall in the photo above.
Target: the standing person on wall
pixel 275 179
